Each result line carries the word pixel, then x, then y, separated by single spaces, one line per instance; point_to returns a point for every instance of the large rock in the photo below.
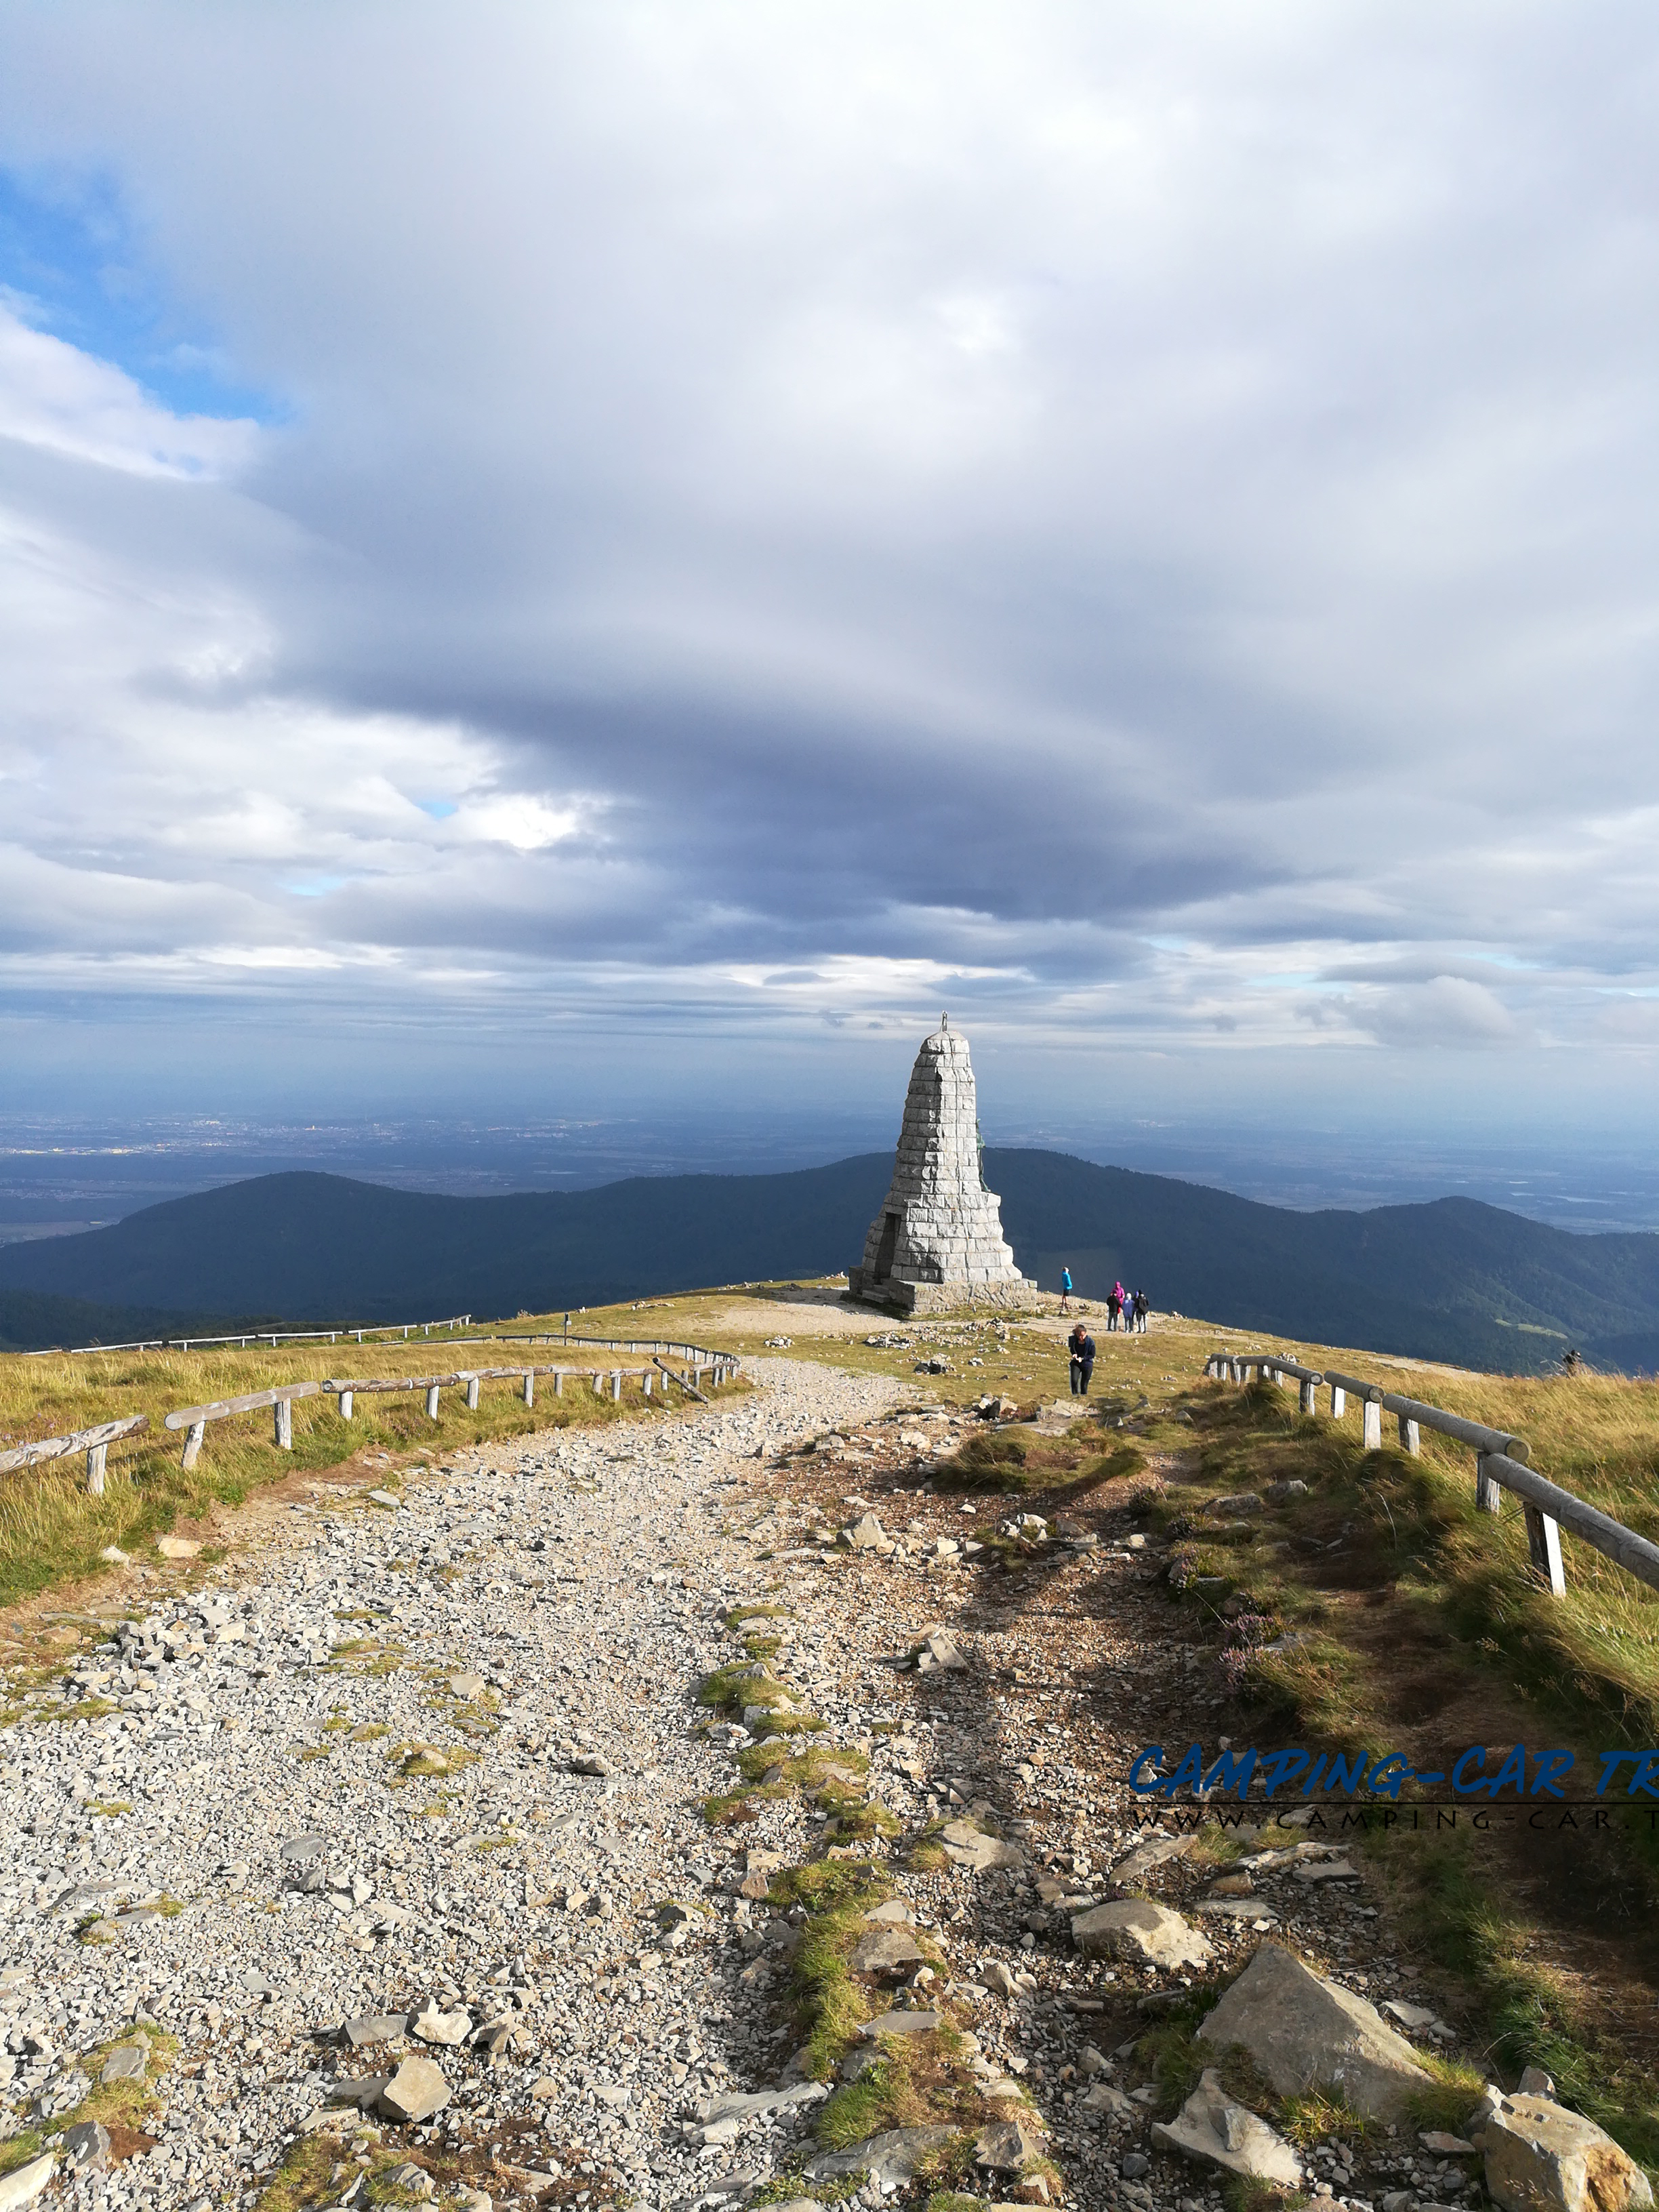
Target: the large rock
pixel 1212 2125
pixel 24 2183
pixel 1302 2030
pixel 864 1534
pixel 415 2091
pixel 1150 1935
pixel 1542 2158
pixel 900 2023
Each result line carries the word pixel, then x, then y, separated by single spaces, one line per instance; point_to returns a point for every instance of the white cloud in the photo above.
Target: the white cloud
pixel 54 396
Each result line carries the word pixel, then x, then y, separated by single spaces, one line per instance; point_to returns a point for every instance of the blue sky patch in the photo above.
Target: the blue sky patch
pixel 71 264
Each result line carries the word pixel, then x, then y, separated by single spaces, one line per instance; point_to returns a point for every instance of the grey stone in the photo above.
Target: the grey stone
pixel 1541 2158
pixel 1302 2031
pixel 885 1951
pixel 87 2145
pixel 126 2062
pixel 1230 1508
pixel 446 2027
pixel 1111 2102
pixel 591 1762
pixel 899 2023
pixel 967 1846
pixel 938 1239
pixel 467 1686
pixel 1009 2146
pixel 361 2089
pixel 1135 2165
pixel 24 2183
pixel 890 2159
pixel 998 1978
pixel 300 1850
pixel 1153 1934
pixel 1156 1851
pixel 415 2091
pixel 1213 2126
pixel 864 1534
pixel 375 2027
pixel 1534 2082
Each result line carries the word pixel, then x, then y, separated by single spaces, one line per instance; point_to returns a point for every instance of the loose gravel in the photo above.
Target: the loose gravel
pixel 422 1780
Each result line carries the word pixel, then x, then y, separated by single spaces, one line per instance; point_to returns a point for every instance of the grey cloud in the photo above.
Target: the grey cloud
pixel 923 494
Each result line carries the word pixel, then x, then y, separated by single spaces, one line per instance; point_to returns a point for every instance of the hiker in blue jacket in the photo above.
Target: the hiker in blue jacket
pixel 1081 1346
pixel 1064 1288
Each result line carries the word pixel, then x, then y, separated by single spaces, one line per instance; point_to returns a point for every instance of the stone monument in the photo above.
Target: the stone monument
pixel 938 1240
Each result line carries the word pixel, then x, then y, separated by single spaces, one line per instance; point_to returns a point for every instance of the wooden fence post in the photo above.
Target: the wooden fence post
pixel 645 1381
pixel 1309 1402
pixel 432 1402
pixel 558 1382
pixel 346 1401
pixel 1411 1438
pixel 1339 1402
pixel 95 1458
pixel 530 1386
pixel 1544 1542
pixel 193 1435
pixel 283 1410
pixel 1488 1495
pixel 472 1394
pixel 1371 1439
pixel 615 1388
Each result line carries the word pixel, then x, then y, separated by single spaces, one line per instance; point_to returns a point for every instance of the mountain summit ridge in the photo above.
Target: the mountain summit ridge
pixel 1452 1278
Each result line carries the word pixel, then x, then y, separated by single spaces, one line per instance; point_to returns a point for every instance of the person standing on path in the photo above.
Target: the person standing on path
pixel 1065 1289
pixel 1081 1346
pixel 1115 1307
pixel 1138 1317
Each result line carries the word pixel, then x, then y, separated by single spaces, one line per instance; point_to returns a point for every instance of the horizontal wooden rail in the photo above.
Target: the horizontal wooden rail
pixel 1548 1507
pixel 245 1337
pixel 95 1443
pixel 193 1419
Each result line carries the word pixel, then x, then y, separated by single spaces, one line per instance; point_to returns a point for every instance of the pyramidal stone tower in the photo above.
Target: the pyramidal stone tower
pixel 938 1240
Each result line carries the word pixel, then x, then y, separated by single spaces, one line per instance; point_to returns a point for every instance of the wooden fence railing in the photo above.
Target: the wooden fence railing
pixel 95 1443
pixel 1500 1463
pixel 345 1391
pixel 272 1337
pixel 656 1374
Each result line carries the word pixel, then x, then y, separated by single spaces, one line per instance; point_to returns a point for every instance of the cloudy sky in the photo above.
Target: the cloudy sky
pixel 609 551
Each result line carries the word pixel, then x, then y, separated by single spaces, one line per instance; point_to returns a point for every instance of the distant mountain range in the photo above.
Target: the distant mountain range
pixel 1453 1280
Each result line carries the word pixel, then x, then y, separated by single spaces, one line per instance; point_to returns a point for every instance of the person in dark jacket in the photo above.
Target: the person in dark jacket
pixel 1138 1316
pixel 1081 1346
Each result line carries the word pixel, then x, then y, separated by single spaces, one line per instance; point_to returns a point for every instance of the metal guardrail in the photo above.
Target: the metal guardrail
pixel 1500 1463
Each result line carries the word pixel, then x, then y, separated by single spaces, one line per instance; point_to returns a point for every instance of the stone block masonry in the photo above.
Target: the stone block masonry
pixel 938 1240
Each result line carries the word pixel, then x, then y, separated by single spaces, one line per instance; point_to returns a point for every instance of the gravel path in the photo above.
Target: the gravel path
pixel 341 1783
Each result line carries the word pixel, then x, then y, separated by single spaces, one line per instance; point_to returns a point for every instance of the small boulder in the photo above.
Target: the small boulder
pixel 998 1978
pixel 467 1686
pixel 1302 2030
pixel 1150 1934
pixel 900 2023
pixel 1111 2104
pixel 885 1951
pixel 1009 2146
pixel 967 1846
pixel 86 2144
pixel 1231 1509
pixel 1212 2125
pixel 446 2027
pixel 415 2091
pixel 375 2027
pixel 592 1762
pixel 1542 2158
pixel 126 2062
pixel 864 1534
pixel 177 1548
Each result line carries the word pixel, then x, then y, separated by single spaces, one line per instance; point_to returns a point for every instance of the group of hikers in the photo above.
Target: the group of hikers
pixel 1125 1310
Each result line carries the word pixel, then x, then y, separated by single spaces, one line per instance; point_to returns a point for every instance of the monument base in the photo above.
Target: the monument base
pixel 911 1299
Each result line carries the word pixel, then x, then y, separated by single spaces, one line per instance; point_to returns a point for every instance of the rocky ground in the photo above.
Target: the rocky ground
pixel 374 1862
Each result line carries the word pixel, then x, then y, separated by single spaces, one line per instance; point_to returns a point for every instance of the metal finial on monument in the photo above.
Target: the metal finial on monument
pixel 944 1021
